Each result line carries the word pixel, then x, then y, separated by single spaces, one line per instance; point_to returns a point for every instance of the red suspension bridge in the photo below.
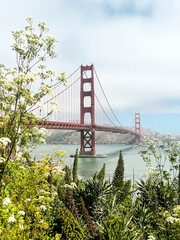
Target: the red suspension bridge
pixel 82 109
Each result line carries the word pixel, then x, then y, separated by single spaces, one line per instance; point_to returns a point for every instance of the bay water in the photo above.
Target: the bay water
pixel 133 162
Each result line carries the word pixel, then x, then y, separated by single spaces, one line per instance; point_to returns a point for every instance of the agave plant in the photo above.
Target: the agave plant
pixel 118 226
pixel 93 192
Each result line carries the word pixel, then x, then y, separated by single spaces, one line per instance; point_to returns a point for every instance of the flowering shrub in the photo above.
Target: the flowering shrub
pixel 27 203
pixel 16 97
pixel 27 190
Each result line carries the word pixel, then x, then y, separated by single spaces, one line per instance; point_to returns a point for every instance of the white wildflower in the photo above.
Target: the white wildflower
pixel 166 214
pixel 21 213
pixel 42 190
pixel 67 186
pixel 6 201
pixel 56 168
pixel 177 209
pixel 32 76
pixel 54 107
pixel 39 118
pixel 150 170
pixel 73 185
pixel 27 200
pixel 177 219
pixel 40 197
pixel 21 167
pixel 21 226
pixel 51 72
pixel 19 155
pixel 11 219
pixel 2 159
pixel 170 219
pixel 42 207
pixel 55 193
pixel 42 131
pixel 46 89
pixel 150 237
pixel 42 140
pixel 4 141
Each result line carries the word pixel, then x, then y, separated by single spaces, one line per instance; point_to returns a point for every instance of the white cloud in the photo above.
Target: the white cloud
pixel 137 56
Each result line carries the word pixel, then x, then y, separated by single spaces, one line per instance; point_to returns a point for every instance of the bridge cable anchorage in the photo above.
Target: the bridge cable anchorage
pixel 55 95
pixel 53 88
pixel 102 107
pixel 107 99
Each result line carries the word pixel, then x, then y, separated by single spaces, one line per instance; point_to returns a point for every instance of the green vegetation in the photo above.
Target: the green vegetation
pixel 118 179
pixel 75 167
pixel 101 174
pixel 38 202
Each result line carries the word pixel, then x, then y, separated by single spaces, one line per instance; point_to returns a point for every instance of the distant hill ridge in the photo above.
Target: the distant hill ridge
pixel 73 137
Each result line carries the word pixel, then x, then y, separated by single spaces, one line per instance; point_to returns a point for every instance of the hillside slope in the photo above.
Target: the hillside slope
pixel 73 137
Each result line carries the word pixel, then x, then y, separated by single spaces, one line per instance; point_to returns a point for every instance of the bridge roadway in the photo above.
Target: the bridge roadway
pixel 85 127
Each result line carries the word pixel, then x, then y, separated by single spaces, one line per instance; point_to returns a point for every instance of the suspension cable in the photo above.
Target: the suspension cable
pixel 56 95
pixel 107 99
pixel 104 111
pixel 102 107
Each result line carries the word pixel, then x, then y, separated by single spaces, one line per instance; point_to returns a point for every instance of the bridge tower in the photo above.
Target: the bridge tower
pixel 88 136
pixel 138 128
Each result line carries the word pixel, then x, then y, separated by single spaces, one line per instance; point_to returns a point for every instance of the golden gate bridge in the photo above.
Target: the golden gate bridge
pixel 81 109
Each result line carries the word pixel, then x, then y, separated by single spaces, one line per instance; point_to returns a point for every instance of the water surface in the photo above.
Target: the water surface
pixel 134 165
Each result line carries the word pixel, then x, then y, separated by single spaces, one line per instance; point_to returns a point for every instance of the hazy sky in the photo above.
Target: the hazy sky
pixel 134 45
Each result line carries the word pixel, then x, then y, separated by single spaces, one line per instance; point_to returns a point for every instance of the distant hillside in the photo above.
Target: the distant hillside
pixel 73 137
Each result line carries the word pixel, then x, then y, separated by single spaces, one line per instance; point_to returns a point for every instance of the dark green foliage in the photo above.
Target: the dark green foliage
pixel 93 192
pixel 67 226
pixel 154 194
pixel 61 190
pixel 90 224
pixel 118 227
pixel 118 179
pixel 67 177
pixel 124 194
pixel 50 177
pixel 101 174
pixel 75 167
pixel 70 203
pixel 142 219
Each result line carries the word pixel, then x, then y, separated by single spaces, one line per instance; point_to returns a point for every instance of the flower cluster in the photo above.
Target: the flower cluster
pixel 54 107
pixel 4 141
pixel 2 159
pixel 6 201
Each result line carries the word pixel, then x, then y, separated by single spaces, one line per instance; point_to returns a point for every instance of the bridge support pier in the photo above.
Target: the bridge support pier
pixel 137 128
pixel 88 143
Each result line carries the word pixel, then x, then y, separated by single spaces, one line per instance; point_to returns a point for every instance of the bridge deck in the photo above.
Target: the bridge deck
pixel 78 126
